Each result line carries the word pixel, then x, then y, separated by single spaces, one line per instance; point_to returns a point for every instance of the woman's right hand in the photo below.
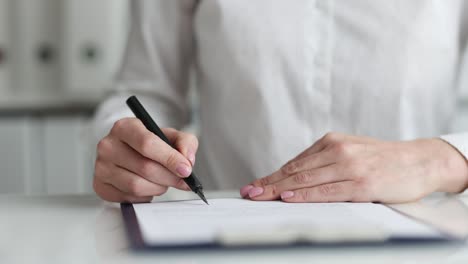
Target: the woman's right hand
pixel 133 164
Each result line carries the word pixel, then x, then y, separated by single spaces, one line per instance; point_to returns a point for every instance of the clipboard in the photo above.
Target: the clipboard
pixel 137 242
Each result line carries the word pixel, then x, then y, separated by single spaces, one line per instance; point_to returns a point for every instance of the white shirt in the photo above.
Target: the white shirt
pixel 274 76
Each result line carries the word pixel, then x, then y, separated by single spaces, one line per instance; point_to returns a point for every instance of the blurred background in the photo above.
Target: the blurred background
pixel 57 59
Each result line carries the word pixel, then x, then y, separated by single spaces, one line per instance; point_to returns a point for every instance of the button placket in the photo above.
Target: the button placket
pixel 318 45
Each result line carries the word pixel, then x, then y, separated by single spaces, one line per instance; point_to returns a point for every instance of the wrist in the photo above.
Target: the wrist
pixel 450 166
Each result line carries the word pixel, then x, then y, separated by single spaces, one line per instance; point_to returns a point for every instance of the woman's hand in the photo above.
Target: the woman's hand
pixel 340 168
pixel 133 164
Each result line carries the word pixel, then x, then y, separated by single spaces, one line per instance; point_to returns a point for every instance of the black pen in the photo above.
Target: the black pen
pixel 140 112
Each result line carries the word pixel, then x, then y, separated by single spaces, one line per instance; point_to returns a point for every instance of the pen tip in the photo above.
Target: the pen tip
pixel 202 196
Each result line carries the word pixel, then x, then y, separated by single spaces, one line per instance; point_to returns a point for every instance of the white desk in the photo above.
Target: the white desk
pixel 83 229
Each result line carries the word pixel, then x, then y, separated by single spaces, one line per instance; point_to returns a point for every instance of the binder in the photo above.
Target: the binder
pixel 294 233
pixel 65 166
pixel 92 45
pixel 12 135
pixel 33 162
pixel 36 40
pixel 5 46
pixel 20 149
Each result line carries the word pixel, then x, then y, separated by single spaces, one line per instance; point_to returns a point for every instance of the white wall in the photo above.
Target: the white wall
pixel 60 57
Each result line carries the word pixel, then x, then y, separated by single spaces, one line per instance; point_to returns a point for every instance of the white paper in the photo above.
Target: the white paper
pixel 192 222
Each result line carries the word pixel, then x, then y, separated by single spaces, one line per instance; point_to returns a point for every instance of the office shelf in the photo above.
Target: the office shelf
pixel 54 104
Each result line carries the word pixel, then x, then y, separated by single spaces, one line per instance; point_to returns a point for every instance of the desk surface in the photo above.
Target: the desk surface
pixel 83 229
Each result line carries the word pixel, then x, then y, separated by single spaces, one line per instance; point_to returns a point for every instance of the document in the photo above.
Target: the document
pixel 239 221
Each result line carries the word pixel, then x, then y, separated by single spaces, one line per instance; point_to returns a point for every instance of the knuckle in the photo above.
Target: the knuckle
pixel 274 190
pixel 118 126
pixel 171 161
pixel 104 147
pixel 328 189
pixel 189 138
pixel 352 167
pixel 170 130
pixel 303 177
pixel 100 169
pixel 257 183
pixel 305 195
pixel 264 181
pixel 342 149
pixel 98 189
pixel 161 191
pixel 192 138
pixel 330 137
pixel 134 186
pixel 146 145
pixel 290 167
pixel 146 168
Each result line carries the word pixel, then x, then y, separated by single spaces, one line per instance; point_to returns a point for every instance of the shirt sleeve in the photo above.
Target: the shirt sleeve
pixel 155 66
pixel 459 139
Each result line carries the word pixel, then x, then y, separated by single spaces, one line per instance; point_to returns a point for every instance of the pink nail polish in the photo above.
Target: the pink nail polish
pixel 287 194
pixel 183 170
pixel 255 191
pixel 244 191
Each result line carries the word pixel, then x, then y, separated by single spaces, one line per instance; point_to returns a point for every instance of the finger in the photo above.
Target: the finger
pixel 294 164
pixel 321 144
pixel 134 133
pixel 185 143
pixel 304 179
pixel 130 183
pixel 318 155
pixel 244 191
pixel 331 138
pixel 331 192
pixel 112 194
pixel 126 157
pixel 312 161
pixel 272 178
pixel 256 187
pixel 318 146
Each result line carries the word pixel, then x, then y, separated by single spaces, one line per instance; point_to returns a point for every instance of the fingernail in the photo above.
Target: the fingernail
pixel 287 194
pixel 183 170
pixel 255 191
pixel 191 157
pixel 244 191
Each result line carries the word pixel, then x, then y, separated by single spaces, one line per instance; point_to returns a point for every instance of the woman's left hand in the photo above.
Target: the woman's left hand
pixel 341 167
